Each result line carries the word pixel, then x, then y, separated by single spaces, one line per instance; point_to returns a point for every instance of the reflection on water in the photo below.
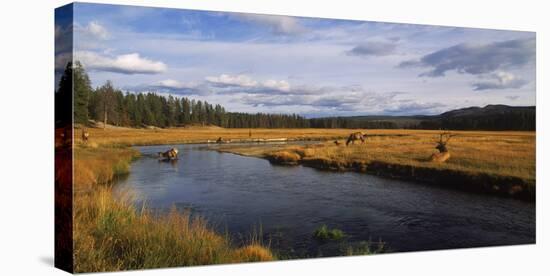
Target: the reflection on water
pixel 237 194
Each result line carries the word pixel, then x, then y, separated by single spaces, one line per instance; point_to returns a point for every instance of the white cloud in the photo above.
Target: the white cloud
pixel 278 23
pixel 279 85
pixel 94 30
pixel 170 83
pixel 244 81
pixel 413 107
pixel 126 64
pixel 97 30
pixel 232 80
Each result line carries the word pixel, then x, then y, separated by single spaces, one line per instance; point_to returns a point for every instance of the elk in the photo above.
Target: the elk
pixel 85 135
pixel 443 154
pixel 220 140
pixel 356 136
pixel 171 154
pixel 337 143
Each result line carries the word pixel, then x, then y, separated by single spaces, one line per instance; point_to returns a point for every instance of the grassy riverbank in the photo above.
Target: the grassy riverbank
pixel 111 234
pixel 489 162
pixel 133 136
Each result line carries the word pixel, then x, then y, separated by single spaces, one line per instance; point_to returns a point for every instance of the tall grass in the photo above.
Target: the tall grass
pixel 497 153
pixel 111 234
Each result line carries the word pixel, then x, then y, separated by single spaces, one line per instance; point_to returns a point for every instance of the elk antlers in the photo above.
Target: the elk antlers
pixel 442 136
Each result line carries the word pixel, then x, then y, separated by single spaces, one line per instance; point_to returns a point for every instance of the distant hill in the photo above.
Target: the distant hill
pixel 490 117
pixel 489 110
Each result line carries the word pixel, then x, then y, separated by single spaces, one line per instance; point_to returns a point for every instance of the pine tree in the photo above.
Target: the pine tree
pixel 63 98
pixel 82 91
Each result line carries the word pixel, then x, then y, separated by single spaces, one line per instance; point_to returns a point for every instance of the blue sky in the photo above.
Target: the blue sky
pixel 314 67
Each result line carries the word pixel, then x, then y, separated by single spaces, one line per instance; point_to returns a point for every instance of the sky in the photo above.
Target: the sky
pixel 310 66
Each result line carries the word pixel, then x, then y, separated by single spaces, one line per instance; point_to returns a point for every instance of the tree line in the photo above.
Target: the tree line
pixel 113 106
pixel 350 122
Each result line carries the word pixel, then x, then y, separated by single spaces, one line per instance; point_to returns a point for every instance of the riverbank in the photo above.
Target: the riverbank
pixel 501 163
pixel 114 136
pixel 110 234
pixel 204 135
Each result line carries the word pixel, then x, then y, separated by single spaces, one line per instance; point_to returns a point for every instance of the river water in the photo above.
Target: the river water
pixel 242 195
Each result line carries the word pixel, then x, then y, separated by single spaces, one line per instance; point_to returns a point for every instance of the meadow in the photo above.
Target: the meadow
pixel 162 136
pixel 110 233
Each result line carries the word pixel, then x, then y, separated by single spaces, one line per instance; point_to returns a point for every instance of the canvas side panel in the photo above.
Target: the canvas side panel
pixel 63 138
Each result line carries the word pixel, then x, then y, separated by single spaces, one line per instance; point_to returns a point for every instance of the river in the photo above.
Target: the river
pixel 240 195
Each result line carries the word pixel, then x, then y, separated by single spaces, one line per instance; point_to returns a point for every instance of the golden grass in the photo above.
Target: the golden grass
pixel 254 253
pixel 497 154
pixel 130 136
pixel 94 165
pixel 285 157
pixel 500 153
pixel 110 234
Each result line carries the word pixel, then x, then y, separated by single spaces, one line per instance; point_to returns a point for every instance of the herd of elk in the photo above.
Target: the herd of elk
pixel 443 154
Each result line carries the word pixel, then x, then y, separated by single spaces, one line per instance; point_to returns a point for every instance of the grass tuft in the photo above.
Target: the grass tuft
pixel 323 233
pixel 366 248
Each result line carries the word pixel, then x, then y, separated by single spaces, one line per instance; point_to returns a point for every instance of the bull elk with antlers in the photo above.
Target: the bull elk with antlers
pixel 443 154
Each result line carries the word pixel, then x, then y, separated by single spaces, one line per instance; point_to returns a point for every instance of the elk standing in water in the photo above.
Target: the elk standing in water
pixel 443 154
pixel 171 154
pixel 356 136
pixel 85 135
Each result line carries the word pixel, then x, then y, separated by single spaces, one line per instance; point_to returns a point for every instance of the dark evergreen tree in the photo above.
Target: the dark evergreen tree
pixel 82 91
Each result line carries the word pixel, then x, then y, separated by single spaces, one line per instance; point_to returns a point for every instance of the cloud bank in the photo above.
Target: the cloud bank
pixel 248 84
pixel 499 80
pixel 476 59
pixel 125 64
